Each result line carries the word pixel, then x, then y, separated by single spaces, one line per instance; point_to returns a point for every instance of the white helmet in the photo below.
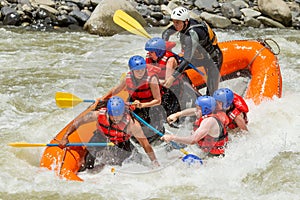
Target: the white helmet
pixel 180 13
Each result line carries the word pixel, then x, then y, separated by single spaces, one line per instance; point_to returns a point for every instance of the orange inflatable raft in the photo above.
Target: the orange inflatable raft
pixel 255 57
pixel 252 58
pixel 66 162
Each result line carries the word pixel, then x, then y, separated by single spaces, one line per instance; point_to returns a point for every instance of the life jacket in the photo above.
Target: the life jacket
pixel 140 89
pixel 162 62
pixel 212 145
pixel 211 44
pixel 170 45
pixel 152 68
pixel 238 106
pixel 212 36
pixel 115 132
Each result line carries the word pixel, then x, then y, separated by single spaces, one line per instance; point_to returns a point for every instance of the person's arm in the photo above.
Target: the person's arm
pixel 240 122
pixel 89 117
pixel 186 112
pixel 168 32
pixel 182 66
pixel 154 86
pixel 115 90
pixel 195 53
pixel 237 114
pixel 207 126
pixel 240 103
pixel 188 53
pixel 135 129
pixel 170 67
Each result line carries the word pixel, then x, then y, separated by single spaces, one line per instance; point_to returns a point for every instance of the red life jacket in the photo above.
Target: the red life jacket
pixel 161 63
pixel 238 106
pixel 140 89
pixel 211 144
pixel 115 132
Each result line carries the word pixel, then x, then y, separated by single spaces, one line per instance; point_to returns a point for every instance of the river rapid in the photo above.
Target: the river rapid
pixel 262 164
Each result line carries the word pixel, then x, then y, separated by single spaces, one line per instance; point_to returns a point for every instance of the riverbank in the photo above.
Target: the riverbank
pixel 47 15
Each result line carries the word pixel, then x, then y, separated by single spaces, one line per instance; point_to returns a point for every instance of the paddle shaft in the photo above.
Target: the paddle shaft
pixel 89 100
pixel 174 144
pixel 56 145
pixel 191 65
pixel 85 144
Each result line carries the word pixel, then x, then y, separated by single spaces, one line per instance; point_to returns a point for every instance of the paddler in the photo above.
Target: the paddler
pixel 209 130
pixel 199 47
pixel 167 62
pixel 235 107
pixel 145 95
pixel 116 125
pixel 160 55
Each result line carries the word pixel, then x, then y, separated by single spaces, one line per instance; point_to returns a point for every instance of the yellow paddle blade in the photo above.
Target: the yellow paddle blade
pixel 128 23
pixel 22 144
pixel 123 76
pixel 66 100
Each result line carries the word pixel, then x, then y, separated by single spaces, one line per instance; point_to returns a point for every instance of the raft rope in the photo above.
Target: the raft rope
pixel 266 46
pixel 254 57
pixel 63 161
pixel 66 149
pixel 266 43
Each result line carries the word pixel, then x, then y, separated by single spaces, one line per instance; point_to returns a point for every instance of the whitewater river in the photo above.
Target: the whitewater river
pixel 263 164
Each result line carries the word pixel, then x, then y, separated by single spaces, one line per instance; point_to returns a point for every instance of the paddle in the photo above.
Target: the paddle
pixel 68 100
pixel 130 24
pixel 24 144
pixel 189 158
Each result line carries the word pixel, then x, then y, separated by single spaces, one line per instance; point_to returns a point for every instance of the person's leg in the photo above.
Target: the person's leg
pixel 157 120
pixel 170 101
pixel 123 151
pixel 149 115
pixel 213 79
pixel 92 151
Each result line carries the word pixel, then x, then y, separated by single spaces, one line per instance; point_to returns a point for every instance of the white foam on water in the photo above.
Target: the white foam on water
pixel 261 164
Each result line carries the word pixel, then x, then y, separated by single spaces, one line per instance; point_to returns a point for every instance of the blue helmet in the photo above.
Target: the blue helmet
pixel 115 106
pixel 136 63
pixel 224 95
pixel 156 44
pixel 207 104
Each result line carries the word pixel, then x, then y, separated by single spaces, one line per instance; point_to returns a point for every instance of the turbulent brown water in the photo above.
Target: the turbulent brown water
pixel 263 164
